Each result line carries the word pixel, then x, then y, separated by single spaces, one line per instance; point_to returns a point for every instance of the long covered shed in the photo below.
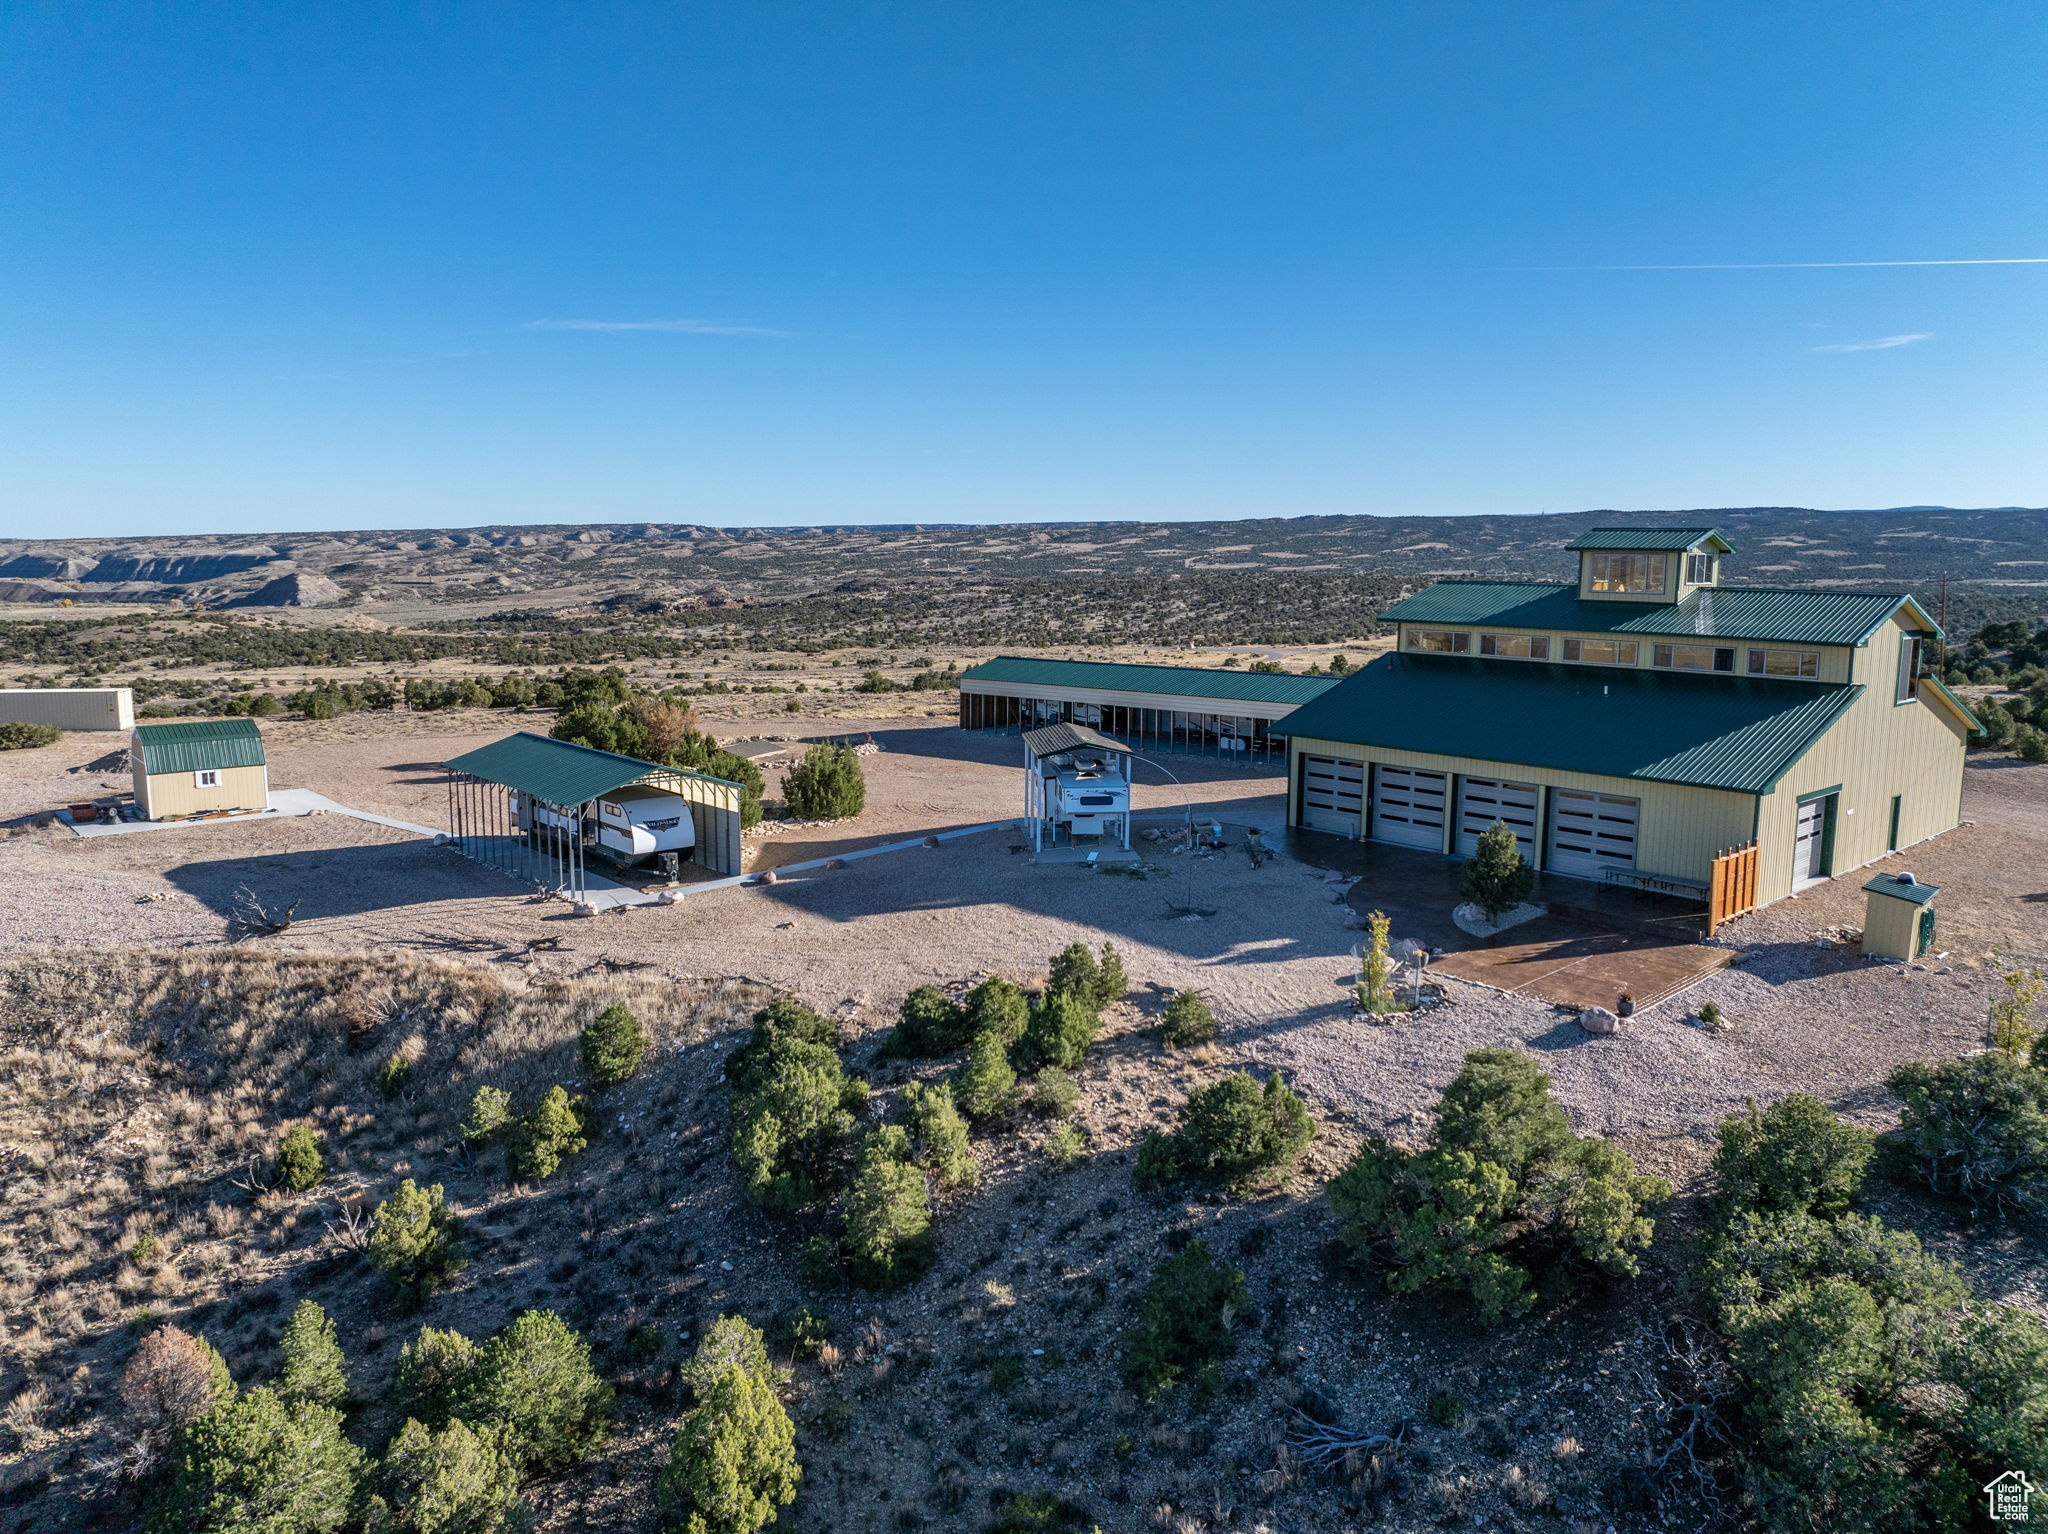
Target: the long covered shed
pixel 535 807
pixel 1209 712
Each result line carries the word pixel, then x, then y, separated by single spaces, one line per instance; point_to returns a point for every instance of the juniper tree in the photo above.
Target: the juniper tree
pixel 416 1242
pixel 299 1164
pixel 459 1480
pixel 999 1006
pixel 887 1214
pixel 732 1465
pixel 260 1465
pixel 1497 877
pixel 312 1368
pixel 613 1046
pixel 986 1086
pixel 556 1127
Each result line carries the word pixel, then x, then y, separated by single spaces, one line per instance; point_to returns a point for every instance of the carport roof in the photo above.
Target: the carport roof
pixel 199 745
pixel 559 771
pixel 1735 733
pixel 1174 681
pixel 1051 739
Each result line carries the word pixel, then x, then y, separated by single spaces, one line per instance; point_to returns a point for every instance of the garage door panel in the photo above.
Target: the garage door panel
pixel 1591 833
pixel 1482 801
pixel 1332 794
pixel 1408 806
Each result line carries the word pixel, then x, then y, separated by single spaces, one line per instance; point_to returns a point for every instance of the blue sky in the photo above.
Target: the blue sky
pixel 269 267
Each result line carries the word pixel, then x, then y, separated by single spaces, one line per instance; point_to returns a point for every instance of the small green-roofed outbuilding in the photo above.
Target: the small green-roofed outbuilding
pixel 199 745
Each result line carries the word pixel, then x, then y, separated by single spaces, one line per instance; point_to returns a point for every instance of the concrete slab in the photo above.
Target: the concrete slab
pixel 285 803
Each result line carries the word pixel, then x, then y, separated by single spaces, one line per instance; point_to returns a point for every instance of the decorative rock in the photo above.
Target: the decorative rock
pixel 584 908
pixel 931 841
pixel 836 864
pixel 1334 895
pixel 1333 877
pixel 767 878
pixel 670 897
pixel 1599 1020
pixel 1469 918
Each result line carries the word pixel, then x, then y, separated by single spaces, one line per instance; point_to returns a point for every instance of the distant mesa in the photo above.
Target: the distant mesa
pixel 296 590
pixel 177 569
pixel 45 567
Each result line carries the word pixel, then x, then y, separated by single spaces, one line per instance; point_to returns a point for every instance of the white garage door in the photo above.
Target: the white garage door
pixel 1332 794
pixel 1482 801
pixel 1590 833
pixel 1408 806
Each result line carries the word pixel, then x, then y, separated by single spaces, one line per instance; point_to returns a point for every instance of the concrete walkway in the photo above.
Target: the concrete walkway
pixel 285 803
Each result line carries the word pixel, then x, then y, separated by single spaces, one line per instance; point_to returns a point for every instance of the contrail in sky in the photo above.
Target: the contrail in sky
pixel 1789 266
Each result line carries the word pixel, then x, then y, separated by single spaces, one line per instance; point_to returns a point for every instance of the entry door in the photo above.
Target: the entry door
pixel 1590 833
pixel 1482 801
pixel 1408 806
pixel 1810 841
pixel 1332 794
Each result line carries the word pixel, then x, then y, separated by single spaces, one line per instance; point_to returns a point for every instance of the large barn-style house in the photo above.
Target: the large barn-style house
pixel 1643 723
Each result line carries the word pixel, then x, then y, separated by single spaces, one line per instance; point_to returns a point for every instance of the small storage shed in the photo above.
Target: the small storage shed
pixel 69 708
pixel 1898 917
pixel 187 767
pixel 561 815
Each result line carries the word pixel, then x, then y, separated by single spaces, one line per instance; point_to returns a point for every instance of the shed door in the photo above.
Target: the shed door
pixel 1408 806
pixel 1482 801
pixel 1332 794
pixel 1809 846
pixel 1590 833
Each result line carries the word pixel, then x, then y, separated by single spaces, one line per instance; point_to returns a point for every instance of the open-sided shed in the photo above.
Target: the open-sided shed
pixel 530 806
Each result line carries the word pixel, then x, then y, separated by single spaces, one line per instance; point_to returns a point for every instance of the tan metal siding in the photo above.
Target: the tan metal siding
pixel 1680 832
pixel 1875 750
pixel 169 794
pixel 1238 708
pixel 69 708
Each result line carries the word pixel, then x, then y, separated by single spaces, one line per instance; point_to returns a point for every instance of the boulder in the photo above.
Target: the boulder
pixel 1599 1020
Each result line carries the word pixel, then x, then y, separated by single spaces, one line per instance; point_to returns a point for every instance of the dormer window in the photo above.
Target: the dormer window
pixel 1699 569
pixel 1639 573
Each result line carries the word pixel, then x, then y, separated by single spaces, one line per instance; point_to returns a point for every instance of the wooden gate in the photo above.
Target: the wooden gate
pixel 1732 892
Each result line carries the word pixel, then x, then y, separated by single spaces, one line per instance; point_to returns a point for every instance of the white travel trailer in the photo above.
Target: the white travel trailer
pixel 631 824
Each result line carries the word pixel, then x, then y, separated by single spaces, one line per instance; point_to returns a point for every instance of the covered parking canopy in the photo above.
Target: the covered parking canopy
pixel 566 779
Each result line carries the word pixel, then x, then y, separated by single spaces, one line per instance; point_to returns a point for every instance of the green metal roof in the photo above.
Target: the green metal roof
pixel 1894 884
pixel 559 771
pixel 1178 681
pixel 199 745
pixel 1781 616
pixel 1735 733
pixel 1666 540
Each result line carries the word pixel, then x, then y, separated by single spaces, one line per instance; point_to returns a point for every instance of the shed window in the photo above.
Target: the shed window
pixel 1601 652
pixel 1448 641
pixel 206 778
pixel 1804 663
pixel 1909 667
pixel 1693 657
pixel 1699 569
pixel 1628 572
pixel 1516 646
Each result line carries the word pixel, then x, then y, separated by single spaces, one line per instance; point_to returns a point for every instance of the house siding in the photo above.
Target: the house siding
pixel 164 795
pixel 1680 833
pixel 69 708
pixel 1877 749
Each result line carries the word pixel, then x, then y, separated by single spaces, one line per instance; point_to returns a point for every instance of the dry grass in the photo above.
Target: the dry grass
pixel 148 1091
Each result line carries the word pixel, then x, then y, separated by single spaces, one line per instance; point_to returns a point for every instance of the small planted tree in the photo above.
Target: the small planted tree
pixel 259 1463
pixel 2021 987
pixel 416 1242
pixel 1497 878
pixel 1376 969
pixel 1187 1021
pixel 311 1368
pixel 826 785
pixel 732 1465
pixel 1187 1323
pixel 614 1044
pixel 554 1129
pixel 986 1086
pixel 459 1480
pixel 299 1164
